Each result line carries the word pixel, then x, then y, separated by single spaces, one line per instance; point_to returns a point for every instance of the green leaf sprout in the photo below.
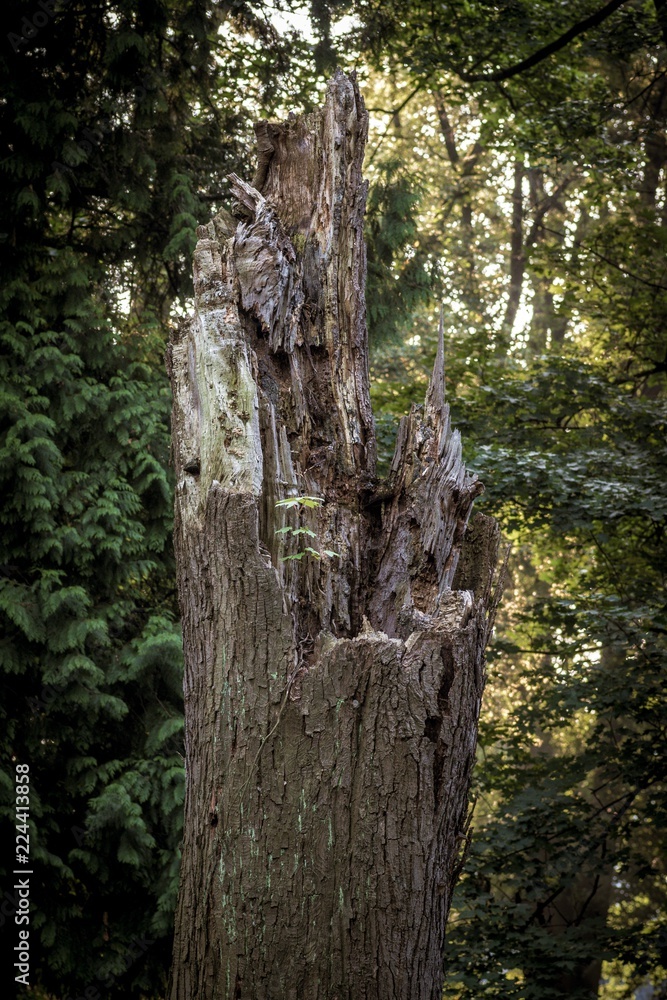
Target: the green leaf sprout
pixel 307 502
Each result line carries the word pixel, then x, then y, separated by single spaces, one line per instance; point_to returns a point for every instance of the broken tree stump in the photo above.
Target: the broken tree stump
pixel 333 670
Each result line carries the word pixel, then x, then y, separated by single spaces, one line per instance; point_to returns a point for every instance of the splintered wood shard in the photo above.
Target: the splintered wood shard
pixel 424 524
pixel 435 395
pixel 333 670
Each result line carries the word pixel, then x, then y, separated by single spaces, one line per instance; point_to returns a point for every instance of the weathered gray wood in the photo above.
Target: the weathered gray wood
pixel 331 704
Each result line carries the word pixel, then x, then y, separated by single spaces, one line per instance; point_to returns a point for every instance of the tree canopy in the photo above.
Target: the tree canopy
pixel 543 213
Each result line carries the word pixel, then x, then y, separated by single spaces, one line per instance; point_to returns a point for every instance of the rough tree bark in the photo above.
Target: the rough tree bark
pixel 331 703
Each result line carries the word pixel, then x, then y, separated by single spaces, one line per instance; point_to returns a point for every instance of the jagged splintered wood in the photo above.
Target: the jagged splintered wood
pixel 331 703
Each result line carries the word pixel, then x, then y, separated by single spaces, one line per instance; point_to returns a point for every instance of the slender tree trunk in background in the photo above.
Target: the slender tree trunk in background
pixel 331 703
pixel 517 254
pixel 547 327
pixel 464 170
pixel 583 905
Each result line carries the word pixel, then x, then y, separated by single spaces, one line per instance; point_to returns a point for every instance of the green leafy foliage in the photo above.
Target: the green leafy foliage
pixel 309 502
pixel 543 205
pixel 288 531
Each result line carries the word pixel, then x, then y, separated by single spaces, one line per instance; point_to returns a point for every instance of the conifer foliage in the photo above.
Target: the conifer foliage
pixel 90 648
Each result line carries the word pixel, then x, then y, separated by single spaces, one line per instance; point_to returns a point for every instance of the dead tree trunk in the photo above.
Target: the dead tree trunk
pixel 331 700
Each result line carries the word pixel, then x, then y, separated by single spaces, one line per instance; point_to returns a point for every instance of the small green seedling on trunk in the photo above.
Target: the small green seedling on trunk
pixel 303 502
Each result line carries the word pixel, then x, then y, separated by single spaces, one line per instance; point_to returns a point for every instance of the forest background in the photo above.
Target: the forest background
pixel 517 166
